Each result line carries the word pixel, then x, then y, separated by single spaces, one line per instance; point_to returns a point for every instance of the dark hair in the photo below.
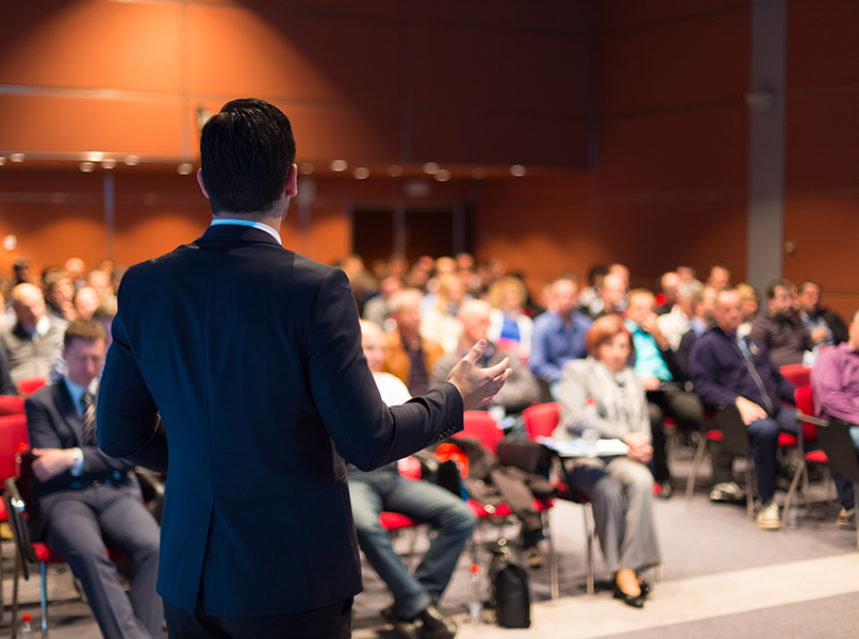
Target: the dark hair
pixel 783 283
pixel 805 283
pixel 246 151
pixel 85 330
pixel 595 272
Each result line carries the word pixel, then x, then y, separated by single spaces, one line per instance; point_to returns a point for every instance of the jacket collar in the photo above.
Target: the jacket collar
pixel 232 233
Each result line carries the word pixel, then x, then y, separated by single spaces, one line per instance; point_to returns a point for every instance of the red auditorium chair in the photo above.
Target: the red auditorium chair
pixel 30 385
pixel 11 405
pixel 540 421
pixel 13 434
pixel 796 374
pixel 808 435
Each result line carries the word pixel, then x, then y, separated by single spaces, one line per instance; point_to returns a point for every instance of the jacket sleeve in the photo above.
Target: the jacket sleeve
pixel 7 387
pixel 573 395
pixel 538 360
pixel 829 393
pixel 365 431
pixel 128 423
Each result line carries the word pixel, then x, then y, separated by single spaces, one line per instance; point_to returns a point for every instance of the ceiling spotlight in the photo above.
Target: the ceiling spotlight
pixel 338 166
pixel 306 168
pixel 132 160
pixel 186 168
pixel 517 170
pixel 361 173
pixel 94 156
pixel 2 160
pixel 108 163
pixel 16 157
pixel 431 168
pixel 395 170
pixel 442 175
pixel 87 167
pixel 478 173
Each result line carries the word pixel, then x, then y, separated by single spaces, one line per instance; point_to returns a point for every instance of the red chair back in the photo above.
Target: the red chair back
pixel 30 385
pixel 805 404
pixel 541 419
pixel 481 425
pixel 797 374
pixel 13 431
pixel 11 405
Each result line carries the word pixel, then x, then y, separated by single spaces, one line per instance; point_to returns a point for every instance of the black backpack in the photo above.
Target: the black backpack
pixel 509 593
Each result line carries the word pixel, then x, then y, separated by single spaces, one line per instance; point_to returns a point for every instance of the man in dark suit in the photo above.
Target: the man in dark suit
pixel 251 355
pixel 85 499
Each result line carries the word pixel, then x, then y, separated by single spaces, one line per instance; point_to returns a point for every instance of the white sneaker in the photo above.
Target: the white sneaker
pixel 726 491
pixel 768 518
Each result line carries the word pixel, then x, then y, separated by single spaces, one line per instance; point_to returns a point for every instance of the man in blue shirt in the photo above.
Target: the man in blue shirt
pixel 559 333
pixel 655 365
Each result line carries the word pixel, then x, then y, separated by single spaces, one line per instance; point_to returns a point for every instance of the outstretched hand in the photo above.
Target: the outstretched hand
pixel 478 385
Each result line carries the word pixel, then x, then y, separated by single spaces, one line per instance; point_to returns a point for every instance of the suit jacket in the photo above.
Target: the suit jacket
pixel 252 356
pixel 53 422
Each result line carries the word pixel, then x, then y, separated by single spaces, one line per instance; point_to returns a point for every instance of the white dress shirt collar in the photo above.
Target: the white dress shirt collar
pixel 257 225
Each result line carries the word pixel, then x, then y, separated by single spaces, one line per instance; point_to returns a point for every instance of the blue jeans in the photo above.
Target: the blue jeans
pixel 385 489
pixel 763 440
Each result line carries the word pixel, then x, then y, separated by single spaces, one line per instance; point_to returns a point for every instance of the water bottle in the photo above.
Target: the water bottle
pixel 590 432
pixel 475 606
pixel 25 629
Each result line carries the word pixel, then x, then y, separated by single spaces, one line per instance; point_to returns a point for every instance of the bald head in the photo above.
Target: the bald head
pixel 373 344
pixel 474 317
pixel 28 304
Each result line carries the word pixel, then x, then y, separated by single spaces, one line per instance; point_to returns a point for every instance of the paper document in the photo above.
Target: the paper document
pixel 578 448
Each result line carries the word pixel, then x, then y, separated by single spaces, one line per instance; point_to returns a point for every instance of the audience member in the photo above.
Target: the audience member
pixel 99 281
pixel 409 356
pixel 34 342
pixel 75 268
pixel 782 331
pixel 21 270
pixel 622 271
pixel 825 326
pixel 559 333
pixel 438 321
pixel 730 369
pixel 415 595
pixel 677 320
pixel 521 389
pixel 620 488
pixel 611 297
pixel 85 302
pixel 378 308
pixel 686 275
pixel 669 285
pixel 85 498
pixel 835 385
pixel 590 293
pixel 750 302
pixel 509 327
pixel 59 293
pixel 656 368
pixel 719 277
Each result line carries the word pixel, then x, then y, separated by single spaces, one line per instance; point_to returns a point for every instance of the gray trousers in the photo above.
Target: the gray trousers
pixel 621 494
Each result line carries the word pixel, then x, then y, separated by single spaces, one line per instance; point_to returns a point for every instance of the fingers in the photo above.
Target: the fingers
pixel 493 372
pixel 476 351
pixel 37 451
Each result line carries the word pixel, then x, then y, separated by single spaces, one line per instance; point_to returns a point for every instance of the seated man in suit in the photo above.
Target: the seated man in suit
pixel 415 595
pixel 835 382
pixel 86 500
pixel 728 368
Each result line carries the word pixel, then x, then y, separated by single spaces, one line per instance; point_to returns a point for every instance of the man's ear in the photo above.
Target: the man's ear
pixel 291 189
pixel 200 182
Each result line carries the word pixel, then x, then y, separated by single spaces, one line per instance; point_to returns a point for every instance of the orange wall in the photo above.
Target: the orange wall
pixel 385 81
pixel 822 163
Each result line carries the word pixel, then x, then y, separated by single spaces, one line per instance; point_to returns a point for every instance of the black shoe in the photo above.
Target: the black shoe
pixel 435 625
pixel 404 628
pixel 636 601
pixel 665 489
pixel 645 587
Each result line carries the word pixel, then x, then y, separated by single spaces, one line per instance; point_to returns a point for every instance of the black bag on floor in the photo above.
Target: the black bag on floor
pixel 509 593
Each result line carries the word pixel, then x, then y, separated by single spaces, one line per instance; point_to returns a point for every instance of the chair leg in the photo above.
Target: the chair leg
pixel 554 589
pixel 696 463
pixel 16 575
pixel 856 509
pixel 589 544
pixel 658 572
pixel 44 592
pixel 791 492
pixel 750 492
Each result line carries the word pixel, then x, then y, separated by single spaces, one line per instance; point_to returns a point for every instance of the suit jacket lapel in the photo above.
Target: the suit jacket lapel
pixel 68 411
